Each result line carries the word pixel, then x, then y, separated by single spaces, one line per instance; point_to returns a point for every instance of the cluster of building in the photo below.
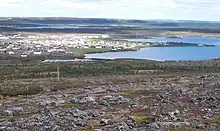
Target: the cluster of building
pixel 25 45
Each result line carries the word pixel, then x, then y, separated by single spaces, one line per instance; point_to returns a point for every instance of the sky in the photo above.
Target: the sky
pixel 207 10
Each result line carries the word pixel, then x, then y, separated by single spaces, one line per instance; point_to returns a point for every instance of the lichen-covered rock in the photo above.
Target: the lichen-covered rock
pixel 14 111
pixel 83 99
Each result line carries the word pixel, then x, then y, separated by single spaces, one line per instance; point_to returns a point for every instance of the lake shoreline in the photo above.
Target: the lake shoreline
pixel 158 49
pixel 194 50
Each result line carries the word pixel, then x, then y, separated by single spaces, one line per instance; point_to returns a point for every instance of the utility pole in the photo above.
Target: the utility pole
pixel 58 73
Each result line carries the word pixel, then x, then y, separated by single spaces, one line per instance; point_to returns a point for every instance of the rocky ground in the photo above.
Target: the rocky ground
pixel 120 103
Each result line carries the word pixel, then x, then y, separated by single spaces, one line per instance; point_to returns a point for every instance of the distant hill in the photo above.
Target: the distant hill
pixel 49 21
pixel 58 20
pixel 99 25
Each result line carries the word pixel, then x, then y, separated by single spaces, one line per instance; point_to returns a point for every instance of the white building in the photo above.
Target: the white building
pixel 24 56
pixel 105 36
pixel 38 53
pixel 11 52
pixel 3 37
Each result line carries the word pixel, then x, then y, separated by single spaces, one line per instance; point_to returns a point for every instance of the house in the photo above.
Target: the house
pixel 98 46
pixel 2 50
pixel 86 46
pixel 105 36
pixel 51 50
pixel 3 37
pixel 26 53
pixel 11 52
pixel 24 56
pixel 37 53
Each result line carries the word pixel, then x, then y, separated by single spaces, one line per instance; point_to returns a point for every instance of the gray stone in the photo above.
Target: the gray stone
pixel 122 127
pixel 201 126
pixel 84 99
pixel 113 90
pixel 104 122
pixel 8 113
pixel 1 97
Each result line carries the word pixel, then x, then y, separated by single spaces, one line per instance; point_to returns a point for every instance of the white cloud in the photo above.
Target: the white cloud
pixel 64 4
pixel 4 3
pixel 136 9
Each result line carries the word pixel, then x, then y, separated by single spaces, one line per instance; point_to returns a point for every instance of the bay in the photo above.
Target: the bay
pixel 197 40
pixel 168 53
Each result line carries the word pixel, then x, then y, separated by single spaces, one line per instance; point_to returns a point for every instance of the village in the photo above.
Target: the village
pixel 23 45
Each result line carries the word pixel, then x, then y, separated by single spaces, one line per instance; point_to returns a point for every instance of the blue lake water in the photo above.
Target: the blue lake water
pixel 169 53
pixel 199 40
pixel 50 27
pixel 60 27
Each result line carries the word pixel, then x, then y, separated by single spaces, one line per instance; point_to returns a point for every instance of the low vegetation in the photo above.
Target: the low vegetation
pixel 140 118
pixel 181 129
pixel 90 50
pixel 213 122
pixel 14 89
pixel 12 118
pixel 98 50
pixel 98 68
pixel 13 72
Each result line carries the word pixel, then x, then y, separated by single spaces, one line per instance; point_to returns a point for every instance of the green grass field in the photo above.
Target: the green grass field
pixel 90 50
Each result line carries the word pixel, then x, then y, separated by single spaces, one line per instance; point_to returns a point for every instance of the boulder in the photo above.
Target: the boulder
pixel 84 99
pixel 104 122
pixel 14 111
pixel 113 90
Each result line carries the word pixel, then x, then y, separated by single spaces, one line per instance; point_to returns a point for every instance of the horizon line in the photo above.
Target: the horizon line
pixel 108 18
